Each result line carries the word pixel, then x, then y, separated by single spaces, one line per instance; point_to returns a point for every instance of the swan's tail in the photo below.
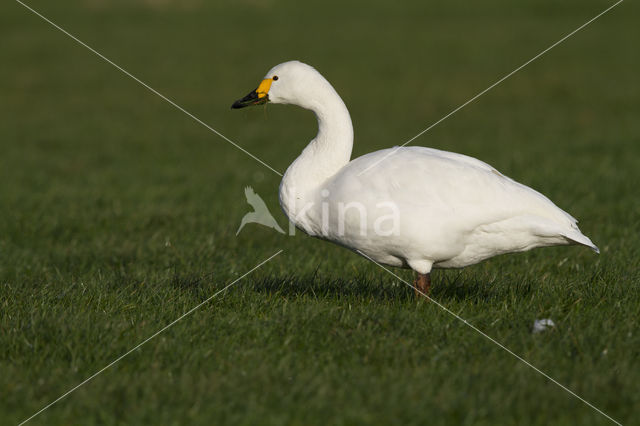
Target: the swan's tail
pixel 578 237
pixel 570 232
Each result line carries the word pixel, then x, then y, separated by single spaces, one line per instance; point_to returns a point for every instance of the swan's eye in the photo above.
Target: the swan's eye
pixel 275 78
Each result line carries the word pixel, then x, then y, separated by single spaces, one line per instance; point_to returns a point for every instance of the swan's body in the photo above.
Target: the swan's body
pixel 410 207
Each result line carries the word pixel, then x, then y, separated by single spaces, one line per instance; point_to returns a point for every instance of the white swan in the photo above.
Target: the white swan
pixel 407 207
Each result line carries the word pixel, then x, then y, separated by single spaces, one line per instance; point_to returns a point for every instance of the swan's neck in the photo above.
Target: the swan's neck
pixel 325 155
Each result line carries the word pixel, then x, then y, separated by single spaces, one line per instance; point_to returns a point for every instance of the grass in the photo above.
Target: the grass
pixel 118 213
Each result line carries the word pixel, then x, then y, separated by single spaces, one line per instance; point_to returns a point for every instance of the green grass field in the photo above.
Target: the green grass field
pixel 118 213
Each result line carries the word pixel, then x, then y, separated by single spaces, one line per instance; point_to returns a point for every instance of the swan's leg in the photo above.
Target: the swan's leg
pixel 422 284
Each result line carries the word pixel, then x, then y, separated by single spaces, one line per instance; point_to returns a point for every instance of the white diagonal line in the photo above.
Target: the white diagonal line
pixel 149 338
pixel 149 87
pixel 494 341
pixel 492 86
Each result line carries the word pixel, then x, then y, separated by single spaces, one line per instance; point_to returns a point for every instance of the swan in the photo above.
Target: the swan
pixel 410 207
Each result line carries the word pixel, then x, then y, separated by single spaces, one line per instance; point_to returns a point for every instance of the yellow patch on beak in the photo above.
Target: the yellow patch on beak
pixel 263 88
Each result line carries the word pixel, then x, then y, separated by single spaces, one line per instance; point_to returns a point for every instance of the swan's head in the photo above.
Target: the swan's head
pixel 287 83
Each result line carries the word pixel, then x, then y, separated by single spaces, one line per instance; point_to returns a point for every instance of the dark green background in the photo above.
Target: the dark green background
pixel 118 213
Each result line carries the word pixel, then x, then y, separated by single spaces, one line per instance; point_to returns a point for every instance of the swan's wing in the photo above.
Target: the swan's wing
pixel 445 185
pixel 453 156
pixel 474 162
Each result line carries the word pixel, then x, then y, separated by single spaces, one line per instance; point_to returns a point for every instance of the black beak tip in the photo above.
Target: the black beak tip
pixel 250 99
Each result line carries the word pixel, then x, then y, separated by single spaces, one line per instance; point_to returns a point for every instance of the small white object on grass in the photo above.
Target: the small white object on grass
pixel 541 325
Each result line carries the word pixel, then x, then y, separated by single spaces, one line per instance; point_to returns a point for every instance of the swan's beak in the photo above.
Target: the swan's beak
pixel 257 97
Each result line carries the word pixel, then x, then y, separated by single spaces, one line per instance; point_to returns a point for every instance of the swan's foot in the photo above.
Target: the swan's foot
pixel 422 285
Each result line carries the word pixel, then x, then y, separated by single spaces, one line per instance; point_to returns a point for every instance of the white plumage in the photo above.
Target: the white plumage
pixel 452 210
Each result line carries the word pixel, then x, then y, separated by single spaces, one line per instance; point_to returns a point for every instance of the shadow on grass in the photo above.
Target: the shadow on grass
pixel 446 286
